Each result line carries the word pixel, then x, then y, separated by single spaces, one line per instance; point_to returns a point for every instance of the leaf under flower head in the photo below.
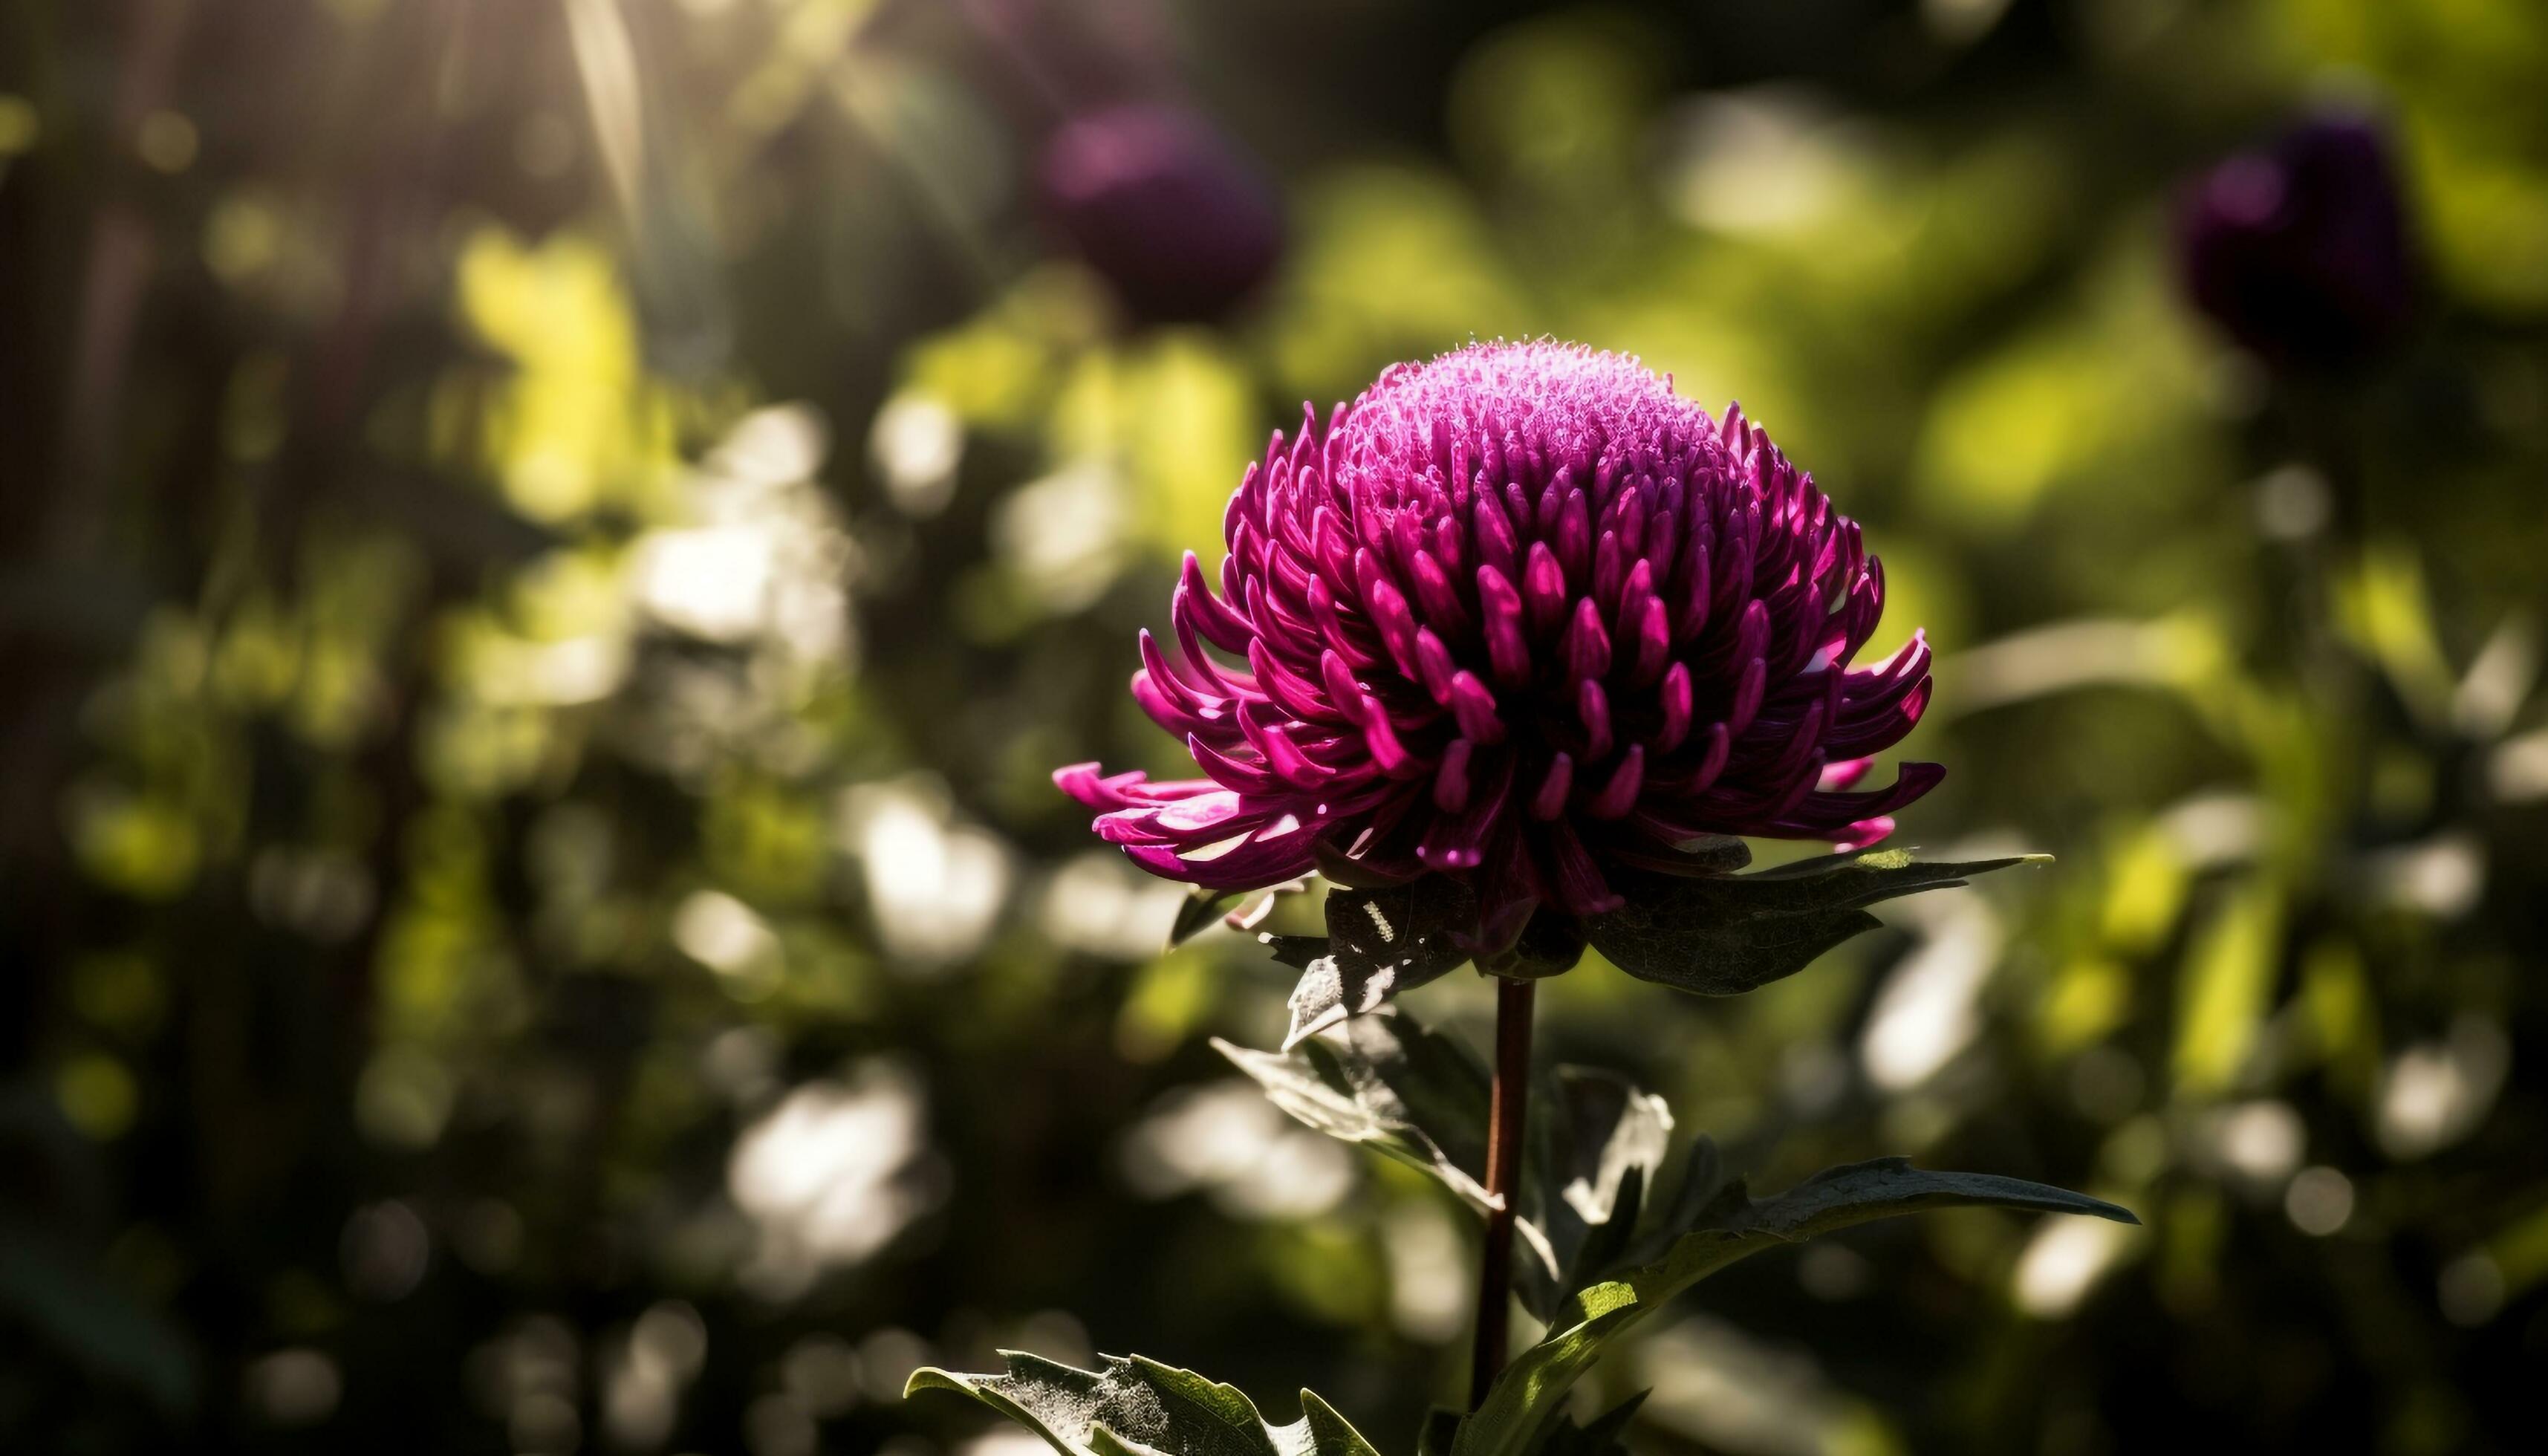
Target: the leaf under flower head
pixel 1379 944
pixel 1726 935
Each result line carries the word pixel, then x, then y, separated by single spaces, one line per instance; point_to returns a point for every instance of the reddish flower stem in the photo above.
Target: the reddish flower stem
pixel 1511 1100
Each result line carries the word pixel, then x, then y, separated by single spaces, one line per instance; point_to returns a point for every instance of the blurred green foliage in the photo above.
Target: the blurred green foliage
pixel 548 550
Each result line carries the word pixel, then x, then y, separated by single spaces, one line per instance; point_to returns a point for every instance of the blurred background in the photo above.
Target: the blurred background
pixel 548 547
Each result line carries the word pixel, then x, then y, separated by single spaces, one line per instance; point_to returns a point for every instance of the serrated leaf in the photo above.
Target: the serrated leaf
pixel 1530 1395
pixel 1725 935
pixel 1594 1144
pixel 1386 1082
pixel 1136 1406
pixel 1379 943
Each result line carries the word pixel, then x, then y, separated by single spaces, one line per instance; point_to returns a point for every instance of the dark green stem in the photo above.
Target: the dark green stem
pixel 1511 1100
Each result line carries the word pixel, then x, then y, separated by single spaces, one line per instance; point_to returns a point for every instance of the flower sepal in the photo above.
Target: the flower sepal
pixel 1550 945
pixel 1691 859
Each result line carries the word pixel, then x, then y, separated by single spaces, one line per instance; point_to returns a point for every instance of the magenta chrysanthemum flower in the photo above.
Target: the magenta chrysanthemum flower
pixel 1524 617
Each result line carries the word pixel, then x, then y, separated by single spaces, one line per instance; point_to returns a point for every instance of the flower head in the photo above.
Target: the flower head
pixel 2300 251
pixel 1164 207
pixel 1523 617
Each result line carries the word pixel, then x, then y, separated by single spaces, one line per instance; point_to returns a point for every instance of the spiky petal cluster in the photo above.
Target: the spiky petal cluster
pixel 1523 616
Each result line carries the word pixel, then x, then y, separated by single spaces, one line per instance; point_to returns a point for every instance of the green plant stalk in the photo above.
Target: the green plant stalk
pixel 1510 1100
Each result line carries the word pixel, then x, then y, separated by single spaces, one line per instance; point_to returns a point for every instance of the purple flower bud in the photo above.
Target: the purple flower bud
pixel 1689 675
pixel 2300 251
pixel 1164 207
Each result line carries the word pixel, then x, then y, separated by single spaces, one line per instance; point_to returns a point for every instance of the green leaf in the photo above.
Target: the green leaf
pixel 1379 943
pixel 1196 913
pixel 1135 1406
pixel 1385 1081
pixel 1201 906
pixel 1595 1148
pixel 1594 1144
pixel 1530 1395
pixel 1564 1437
pixel 1601 1439
pixel 1725 935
